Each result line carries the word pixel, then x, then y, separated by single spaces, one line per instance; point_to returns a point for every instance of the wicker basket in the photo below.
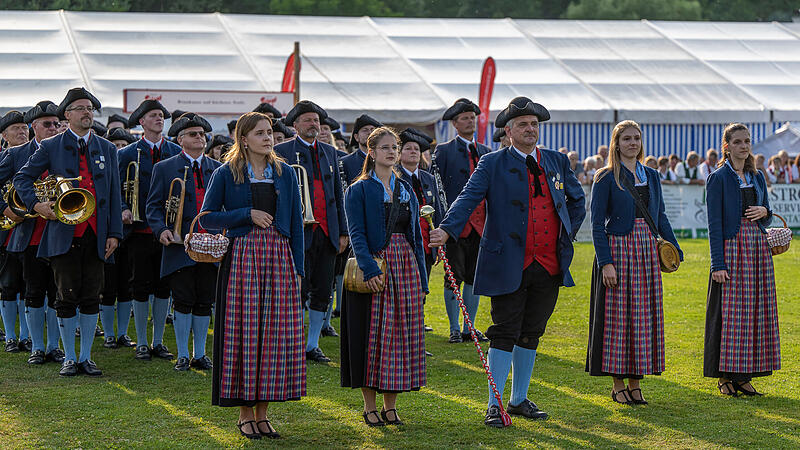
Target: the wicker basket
pixel 779 239
pixel 218 243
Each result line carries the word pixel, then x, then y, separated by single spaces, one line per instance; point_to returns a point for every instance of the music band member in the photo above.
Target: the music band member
pixel 258 331
pixel 77 252
pixel 117 121
pixel 24 243
pixel 536 207
pixel 328 237
pixel 455 162
pixel 741 334
pixel 120 138
pixel 280 132
pixel 354 162
pixel 383 340
pixel 626 274
pixel 144 248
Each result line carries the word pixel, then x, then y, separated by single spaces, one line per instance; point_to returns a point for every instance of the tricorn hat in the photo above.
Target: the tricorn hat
pixel 461 105
pixel 521 106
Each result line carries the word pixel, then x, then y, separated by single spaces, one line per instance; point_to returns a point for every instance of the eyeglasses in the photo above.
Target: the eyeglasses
pixel 194 134
pixel 83 108
pixel 49 124
pixel 388 148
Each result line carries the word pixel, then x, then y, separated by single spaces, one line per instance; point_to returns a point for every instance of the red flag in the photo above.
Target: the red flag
pixel 485 97
pixel 288 75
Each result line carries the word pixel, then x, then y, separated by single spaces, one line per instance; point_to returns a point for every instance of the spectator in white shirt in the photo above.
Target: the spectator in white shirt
pixel 688 172
pixel 667 176
pixel 775 170
pixel 708 166
pixel 795 169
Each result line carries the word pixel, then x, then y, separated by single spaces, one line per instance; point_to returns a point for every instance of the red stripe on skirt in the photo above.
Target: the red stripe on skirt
pixel 396 346
pixel 750 340
pixel 633 340
pixel 263 356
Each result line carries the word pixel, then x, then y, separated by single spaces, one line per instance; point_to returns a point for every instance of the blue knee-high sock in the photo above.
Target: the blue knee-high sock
pixel 200 331
pixel 183 326
pixel 141 311
pixel 339 286
pixel 326 322
pixel 500 365
pixel 66 328
pixel 107 320
pixel 471 301
pixel 522 360
pixel 451 306
pixel 160 309
pixel 315 319
pixel 23 324
pixel 8 309
pixel 52 330
pixel 123 317
pixel 88 323
pixel 35 318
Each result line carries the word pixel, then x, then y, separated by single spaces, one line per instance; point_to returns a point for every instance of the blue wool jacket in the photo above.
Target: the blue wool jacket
pixel 724 206
pixel 429 192
pixel 230 205
pixel 58 155
pixel 502 179
pixel 452 160
pixel 366 222
pixel 353 164
pixel 13 160
pixel 614 212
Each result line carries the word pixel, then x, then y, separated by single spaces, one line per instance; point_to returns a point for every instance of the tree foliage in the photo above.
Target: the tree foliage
pixel 635 9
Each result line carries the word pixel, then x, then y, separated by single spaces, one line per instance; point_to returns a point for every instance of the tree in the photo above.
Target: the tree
pixel 635 9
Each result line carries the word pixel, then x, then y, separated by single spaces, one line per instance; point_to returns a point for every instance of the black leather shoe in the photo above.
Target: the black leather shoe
pixel 110 342
pixel 37 357
pixel 428 328
pixel 98 332
pixel 466 337
pixel 169 318
pixel 329 332
pixel 385 417
pixel 143 353
pixel 493 418
pixel 12 346
pixel 183 364
pixel 125 341
pixel 56 355
pixel 203 363
pixel 316 355
pixel 68 369
pixel 89 368
pixel 161 351
pixel 427 353
pixel 455 337
pixel 527 409
pixel 25 345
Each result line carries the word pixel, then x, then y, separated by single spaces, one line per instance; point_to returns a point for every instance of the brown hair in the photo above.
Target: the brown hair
pixel 749 162
pixel 236 157
pixel 372 143
pixel 614 161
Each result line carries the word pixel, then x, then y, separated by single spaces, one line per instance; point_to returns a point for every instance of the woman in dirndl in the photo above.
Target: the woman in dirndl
pixel 383 343
pixel 258 332
pixel 741 340
pixel 626 318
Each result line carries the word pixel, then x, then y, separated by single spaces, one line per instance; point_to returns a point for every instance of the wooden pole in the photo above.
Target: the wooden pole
pixel 296 72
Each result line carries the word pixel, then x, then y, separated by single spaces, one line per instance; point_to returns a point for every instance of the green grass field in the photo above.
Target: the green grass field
pixel 147 404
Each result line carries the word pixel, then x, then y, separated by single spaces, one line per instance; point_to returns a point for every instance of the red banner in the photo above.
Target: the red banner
pixel 288 75
pixel 485 97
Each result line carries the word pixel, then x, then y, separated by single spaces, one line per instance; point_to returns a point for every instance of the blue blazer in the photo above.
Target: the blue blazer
pixel 724 206
pixel 367 225
pixel 230 205
pixel 174 257
pixel 59 156
pixel 502 179
pixel 429 192
pixel 353 164
pixel 614 212
pixel 128 154
pixel 331 184
pixel 13 160
pixel 452 159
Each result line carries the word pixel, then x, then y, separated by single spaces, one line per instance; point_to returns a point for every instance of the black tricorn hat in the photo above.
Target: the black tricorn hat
pixel 99 129
pixel 218 139
pixel 45 108
pixel 362 121
pixel 279 127
pixel 461 105
pixel 331 122
pixel 75 94
pixel 499 134
pixel 521 106
pixel 144 108
pixel 117 118
pixel 232 126
pixel 338 136
pixel 188 120
pixel 265 108
pixel 176 115
pixel 302 107
pixel 11 118
pixel 118 134
pixel 412 135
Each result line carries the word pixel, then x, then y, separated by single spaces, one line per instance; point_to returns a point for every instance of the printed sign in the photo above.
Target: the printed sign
pixel 208 102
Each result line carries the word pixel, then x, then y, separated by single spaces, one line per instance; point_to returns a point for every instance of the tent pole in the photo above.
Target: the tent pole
pixel 296 72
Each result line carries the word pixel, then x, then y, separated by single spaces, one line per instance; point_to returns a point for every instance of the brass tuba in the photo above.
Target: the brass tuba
pixel 305 192
pixel 72 205
pixel 131 187
pixel 174 207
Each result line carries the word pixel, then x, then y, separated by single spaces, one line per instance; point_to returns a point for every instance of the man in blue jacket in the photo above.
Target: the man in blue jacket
pixel 454 162
pixel 192 284
pixel 328 236
pixel 77 252
pixel 536 207
pixel 144 250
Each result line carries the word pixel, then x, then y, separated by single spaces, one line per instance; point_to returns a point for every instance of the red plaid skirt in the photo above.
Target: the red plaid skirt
pixel 396 344
pixel 633 338
pixel 750 340
pixel 263 356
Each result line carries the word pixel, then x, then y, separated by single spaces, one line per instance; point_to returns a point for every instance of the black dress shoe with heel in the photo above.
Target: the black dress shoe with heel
pixel 466 337
pixel 25 345
pixel 526 409
pixel 385 417
pixel 12 346
pixel 255 435
pixel 455 337
pixel 368 415
pixel 68 369
pixel 110 342
pixel 89 368
pixel 641 400
pixel 37 357
pixel 329 332
pixel 727 388
pixel 751 392
pixel 626 396
pixel 161 351
pixel 271 433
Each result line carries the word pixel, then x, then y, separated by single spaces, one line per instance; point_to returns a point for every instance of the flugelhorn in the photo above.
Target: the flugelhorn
pixel 72 205
pixel 131 187
pixel 174 207
pixel 305 193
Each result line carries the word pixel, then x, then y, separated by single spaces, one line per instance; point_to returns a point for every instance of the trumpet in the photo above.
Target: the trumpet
pixel 174 207
pixel 72 205
pixel 131 187
pixel 305 192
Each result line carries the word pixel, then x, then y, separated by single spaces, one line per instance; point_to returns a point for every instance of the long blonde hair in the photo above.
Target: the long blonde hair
pixel 372 144
pixel 236 157
pixel 749 162
pixel 614 160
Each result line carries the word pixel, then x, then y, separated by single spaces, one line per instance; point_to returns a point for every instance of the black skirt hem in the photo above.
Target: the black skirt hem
pixel 232 402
